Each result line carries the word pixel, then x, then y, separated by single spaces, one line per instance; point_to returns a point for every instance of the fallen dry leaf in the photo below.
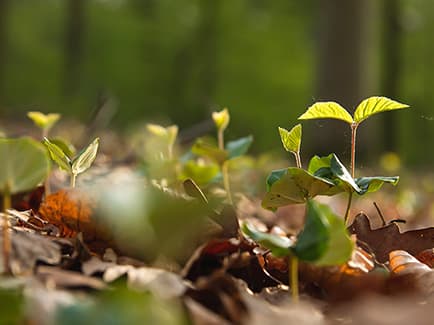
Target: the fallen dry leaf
pixel 389 238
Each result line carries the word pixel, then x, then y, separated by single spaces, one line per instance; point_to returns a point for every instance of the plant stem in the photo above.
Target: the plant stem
pixel 73 179
pixel 226 183
pixel 347 212
pixel 220 137
pixel 353 147
pixel 293 277
pixel 6 237
pixel 297 158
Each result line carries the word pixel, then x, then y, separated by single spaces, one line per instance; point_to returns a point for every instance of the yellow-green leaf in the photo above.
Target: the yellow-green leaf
pixel 327 110
pixel 374 105
pixel 221 119
pixel 58 155
pixel 43 121
pixel 85 159
pixel 291 140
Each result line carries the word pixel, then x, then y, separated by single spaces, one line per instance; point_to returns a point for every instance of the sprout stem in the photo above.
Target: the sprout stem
pixel 220 137
pixel 6 237
pixel 73 179
pixel 293 278
pixel 353 147
pixel 226 183
pixel 347 212
pixel 297 158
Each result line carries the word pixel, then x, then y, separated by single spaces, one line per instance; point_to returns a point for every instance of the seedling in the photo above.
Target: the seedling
pixel 291 141
pixel 222 153
pixel 78 164
pixel 367 108
pixel 44 121
pixel 23 166
pixel 166 135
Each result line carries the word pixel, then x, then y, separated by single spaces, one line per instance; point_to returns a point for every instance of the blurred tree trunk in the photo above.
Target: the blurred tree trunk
pixel 341 65
pixel 391 68
pixel 4 6
pixel 75 20
pixel 195 67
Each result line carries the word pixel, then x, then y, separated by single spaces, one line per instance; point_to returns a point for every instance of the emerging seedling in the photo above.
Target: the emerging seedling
pixel 76 165
pixel 291 141
pixel 167 135
pixel 367 108
pixel 44 121
pixel 23 165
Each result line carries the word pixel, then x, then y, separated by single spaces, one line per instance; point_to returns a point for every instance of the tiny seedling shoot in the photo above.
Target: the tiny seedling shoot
pixel 23 166
pixel 44 121
pixel 74 166
pixel 167 135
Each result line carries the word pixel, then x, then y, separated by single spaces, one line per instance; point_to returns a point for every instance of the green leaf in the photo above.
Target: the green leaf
pixel 275 176
pixel 291 140
pixel 169 133
pixel 373 184
pixel 65 146
pixel 293 187
pixel 44 121
pixel 339 170
pixel 24 164
pixel 58 156
pixel 327 110
pixel 374 105
pixel 203 148
pixel 238 147
pixel 221 119
pixel 313 240
pixel 85 159
pixel 201 173
pixel 278 245
pixel 316 163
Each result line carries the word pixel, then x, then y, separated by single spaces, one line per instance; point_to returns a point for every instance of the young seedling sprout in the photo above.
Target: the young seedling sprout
pixel 291 141
pixel 44 121
pixel 166 134
pixel 78 164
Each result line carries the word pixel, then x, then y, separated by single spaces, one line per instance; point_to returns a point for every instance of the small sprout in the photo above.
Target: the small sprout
pixel 76 165
pixel 167 134
pixel 291 141
pixel 221 119
pixel 44 121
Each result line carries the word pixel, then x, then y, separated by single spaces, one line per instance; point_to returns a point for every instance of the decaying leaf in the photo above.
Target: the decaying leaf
pixel 389 238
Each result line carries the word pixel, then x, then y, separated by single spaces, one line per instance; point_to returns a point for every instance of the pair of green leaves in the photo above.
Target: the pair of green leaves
pixel 24 164
pixel 77 164
pixel 368 107
pixel 323 241
pixel 232 149
pixel 325 176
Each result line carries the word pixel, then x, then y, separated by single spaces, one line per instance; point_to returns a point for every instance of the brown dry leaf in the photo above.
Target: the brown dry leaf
pixel 27 249
pixel 389 238
pixel 73 212
pixel 409 269
pixel 427 257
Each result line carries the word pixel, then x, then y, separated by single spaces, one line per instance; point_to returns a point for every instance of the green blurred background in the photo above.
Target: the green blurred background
pixel 266 60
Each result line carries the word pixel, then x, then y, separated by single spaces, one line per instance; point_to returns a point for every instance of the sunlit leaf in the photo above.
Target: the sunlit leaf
pixel 274 176
pixel 65 146
pixel 342 173
pixel 238 147
pixel 44 121
pixel 85 159
pixel 221 119
pixel 327 110
pixel 58 156
pixel 293 187
pixel 201 173
pixel 373 184
pixel 374 105
pixel 278 245
pixel 24 164
pixel 291 140
pixel 203 148
pixel 156 130
pixel 316 163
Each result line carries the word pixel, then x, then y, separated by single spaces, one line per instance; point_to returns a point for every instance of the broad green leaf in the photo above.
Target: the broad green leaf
pixel 221 119
pixel 85 158
pixel 278 245
pixel 373 184
pixel 339 170
pixel 201 173
pixel 24 164
pixel 58 156
pixel 313 240
pixel 317 163
pixel 293 187
pixel 327 110
pixel 374 105
pixel 238 147
pixel 291 140
pixel 340 246
pixel 203 148
pixel 275 176
pixel 44 121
